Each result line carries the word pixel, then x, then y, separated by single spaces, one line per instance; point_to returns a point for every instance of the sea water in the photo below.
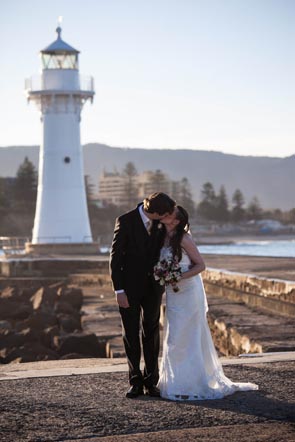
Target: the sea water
pixel 277 248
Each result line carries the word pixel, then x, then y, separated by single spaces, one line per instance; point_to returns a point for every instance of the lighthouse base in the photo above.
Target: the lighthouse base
pixel 63 248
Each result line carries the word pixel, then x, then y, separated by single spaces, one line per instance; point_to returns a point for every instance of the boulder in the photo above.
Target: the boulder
pixel 10 292
pixel 5 325
pixel 87 345
pixel 71 295
pixel 39 321
pixel 72 356
pixel 27 293
pixel 11 309
pixel 31 352
pixel 48 336
pixel 64 307
pixel 44 298
pixel 12 340
pixel 69 323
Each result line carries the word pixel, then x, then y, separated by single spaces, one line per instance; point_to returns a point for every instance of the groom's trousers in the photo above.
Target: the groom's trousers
pixel 142 316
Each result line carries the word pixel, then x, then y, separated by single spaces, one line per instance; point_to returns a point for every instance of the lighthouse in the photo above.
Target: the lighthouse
pixel 61 217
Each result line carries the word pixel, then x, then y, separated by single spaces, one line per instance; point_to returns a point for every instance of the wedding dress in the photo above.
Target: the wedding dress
pixel 190 368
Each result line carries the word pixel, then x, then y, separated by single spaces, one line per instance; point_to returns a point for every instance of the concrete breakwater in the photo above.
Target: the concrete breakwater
pixel 272 294
pixel 247 314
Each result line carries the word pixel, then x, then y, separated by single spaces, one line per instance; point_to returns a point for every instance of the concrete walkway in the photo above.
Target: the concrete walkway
pixel 96 365
pixel 84 400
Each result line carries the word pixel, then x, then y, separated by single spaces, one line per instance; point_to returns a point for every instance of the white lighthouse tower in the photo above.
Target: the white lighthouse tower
pixel 61 218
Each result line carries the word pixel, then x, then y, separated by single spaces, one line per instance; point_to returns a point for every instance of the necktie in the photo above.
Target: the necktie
pixel 148 225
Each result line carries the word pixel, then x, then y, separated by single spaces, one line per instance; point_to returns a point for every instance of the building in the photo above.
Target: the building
pixel 60 93
pixel 115 187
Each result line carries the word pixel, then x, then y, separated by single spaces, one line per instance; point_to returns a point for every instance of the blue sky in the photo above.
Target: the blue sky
pixel 197 74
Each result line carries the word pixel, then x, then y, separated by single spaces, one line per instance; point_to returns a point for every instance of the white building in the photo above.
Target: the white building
pixel 60 93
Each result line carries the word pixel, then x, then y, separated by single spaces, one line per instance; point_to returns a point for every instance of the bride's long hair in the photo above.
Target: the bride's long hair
pixel 180 230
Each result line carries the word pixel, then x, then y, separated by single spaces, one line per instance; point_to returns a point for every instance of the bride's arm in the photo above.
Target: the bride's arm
pixel 192 251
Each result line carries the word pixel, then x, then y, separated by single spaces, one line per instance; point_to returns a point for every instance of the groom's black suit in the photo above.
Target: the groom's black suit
pixel 134 253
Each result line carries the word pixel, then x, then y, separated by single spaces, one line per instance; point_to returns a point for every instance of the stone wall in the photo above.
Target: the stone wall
pixel 271 294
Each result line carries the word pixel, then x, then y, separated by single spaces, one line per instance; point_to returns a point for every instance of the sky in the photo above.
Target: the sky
pixel 196 74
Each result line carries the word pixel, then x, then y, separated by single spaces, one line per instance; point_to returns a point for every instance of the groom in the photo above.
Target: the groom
pixel 135 249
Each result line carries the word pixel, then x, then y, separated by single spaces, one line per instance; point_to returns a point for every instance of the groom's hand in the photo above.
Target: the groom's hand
pixel 122 300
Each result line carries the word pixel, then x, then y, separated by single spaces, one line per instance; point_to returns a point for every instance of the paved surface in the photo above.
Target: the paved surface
pixel 95 366
pixel 93 407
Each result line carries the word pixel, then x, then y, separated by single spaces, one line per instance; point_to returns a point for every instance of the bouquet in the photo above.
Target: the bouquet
pixel 168 272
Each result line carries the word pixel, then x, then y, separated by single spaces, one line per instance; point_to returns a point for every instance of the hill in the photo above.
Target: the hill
pixel 272 180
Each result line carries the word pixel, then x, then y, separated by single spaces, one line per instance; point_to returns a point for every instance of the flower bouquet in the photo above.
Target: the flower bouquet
pixel 168 272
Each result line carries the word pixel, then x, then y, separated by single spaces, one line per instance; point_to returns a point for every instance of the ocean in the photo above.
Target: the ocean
pixel 276 248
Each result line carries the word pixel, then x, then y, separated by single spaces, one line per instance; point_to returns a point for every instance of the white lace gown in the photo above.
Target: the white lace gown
pixel 190 368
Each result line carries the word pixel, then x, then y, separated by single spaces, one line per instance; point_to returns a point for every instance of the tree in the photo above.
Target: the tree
pixel 25 186
pixel 160 181
pixel 207 206
pixel 238 212
pixel 185 198
pixel 291 216
pixel 130 187
pixel 254 210
pixel 222 212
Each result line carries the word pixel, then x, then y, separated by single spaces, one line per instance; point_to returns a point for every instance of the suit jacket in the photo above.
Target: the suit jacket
pixel 134 253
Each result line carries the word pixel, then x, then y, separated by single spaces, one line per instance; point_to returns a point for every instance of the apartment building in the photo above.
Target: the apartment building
pixel 113 186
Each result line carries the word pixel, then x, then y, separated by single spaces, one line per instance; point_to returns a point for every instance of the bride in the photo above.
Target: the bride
pixel 190 368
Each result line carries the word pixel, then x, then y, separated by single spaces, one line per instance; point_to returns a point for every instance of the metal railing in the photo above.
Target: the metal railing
pixel 38 83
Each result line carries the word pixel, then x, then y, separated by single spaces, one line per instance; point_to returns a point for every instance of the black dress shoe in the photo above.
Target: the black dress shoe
pixel 134 391
pixel 152 391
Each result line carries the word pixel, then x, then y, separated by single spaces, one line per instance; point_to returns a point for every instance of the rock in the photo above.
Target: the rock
pixel 69 323
pixel 48 336
pixel 72 356
pixel 64 307
pixel 39 321
pixel 31 353
pixel 10 293
pixel 26 293
pixel 71 295
pixel 87 345
pixel 5 325
pixel 45 297
pixel 12 340
pixel 10 309
pixel 58 285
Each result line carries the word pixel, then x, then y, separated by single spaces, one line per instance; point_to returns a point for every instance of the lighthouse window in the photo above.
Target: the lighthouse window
pixel 67 160
pixel 60 61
